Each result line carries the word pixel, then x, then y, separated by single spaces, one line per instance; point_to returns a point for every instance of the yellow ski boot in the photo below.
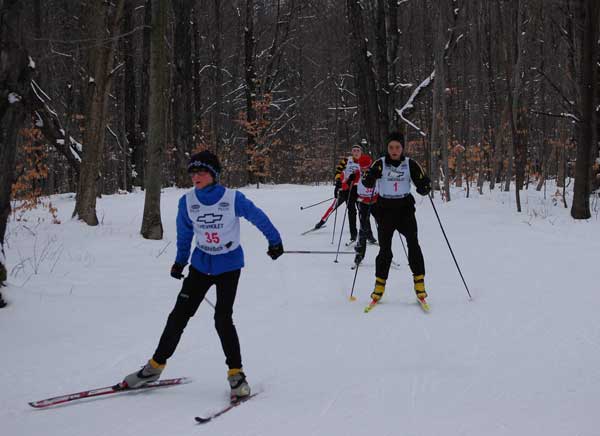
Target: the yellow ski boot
pixel 377 293
pixel 419 281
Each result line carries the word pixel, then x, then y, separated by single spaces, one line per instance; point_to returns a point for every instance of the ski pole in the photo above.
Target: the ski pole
pixel 334 220
pixel 352 297
pixel 343 222
pixel 448 242
pixel 404 248
pixel 316 252
pixel 316 204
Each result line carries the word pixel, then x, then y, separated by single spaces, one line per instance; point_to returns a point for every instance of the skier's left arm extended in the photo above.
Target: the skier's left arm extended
pixel 245 208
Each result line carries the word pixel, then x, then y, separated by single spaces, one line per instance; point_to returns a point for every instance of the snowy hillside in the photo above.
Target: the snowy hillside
pixel 87 306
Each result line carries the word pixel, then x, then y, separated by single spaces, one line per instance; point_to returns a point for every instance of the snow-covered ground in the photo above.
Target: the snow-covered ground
pixel 87 306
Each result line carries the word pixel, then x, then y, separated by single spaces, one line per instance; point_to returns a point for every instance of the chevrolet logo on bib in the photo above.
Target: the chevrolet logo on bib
pixel 209 218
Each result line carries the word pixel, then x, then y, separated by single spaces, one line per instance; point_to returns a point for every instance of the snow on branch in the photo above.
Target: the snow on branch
pixel 409 104
pixel 46 119
pixel 570 116
pixel 452 41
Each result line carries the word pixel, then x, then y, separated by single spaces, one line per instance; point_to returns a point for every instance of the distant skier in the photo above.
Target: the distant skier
pixel 345 190
pixel 396 211
pixel 210 212
pixel 366 199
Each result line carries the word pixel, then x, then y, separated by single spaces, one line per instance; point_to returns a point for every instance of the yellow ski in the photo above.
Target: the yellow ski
pixel 371 305
pixel 423 304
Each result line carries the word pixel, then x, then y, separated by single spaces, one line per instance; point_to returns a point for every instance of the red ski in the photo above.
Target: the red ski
pixel 115 389
pixel 234 403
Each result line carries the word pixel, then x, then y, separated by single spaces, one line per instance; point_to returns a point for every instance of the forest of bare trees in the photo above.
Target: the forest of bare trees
pixel 116 95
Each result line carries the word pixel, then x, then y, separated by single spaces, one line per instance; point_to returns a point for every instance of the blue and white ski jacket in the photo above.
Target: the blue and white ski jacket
pixel 220 263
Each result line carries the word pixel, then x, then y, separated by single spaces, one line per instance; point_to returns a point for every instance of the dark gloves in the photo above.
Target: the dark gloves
pixel 338 185
pixel 424 189
pixel 351 178
pixel 177 271
pixel 275 251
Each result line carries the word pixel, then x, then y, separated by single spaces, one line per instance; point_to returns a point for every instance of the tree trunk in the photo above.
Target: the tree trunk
pixel 139 153
pixel 151 224
pixel 587 130
pixel 182 98
pixel 102 56
pixel 438 126
pixel 383 77
pixel 14 91
pixel 197 96
pixel 130 106
pixel 517 104
pixel 249 59
pixel 364 77
pixel 218 84
pixel 393 57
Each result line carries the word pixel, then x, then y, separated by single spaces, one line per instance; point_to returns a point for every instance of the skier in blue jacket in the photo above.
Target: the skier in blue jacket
pixel 210 212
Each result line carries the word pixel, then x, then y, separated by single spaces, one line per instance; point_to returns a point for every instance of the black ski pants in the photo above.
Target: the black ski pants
pixel 406 224
pixel 194 288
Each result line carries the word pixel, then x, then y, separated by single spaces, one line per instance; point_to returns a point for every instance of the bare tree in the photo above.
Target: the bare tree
pixel 14 90
pixel 152 224
pixel 250 76
pixel 182 97
pixel 100 78
pixel 588 84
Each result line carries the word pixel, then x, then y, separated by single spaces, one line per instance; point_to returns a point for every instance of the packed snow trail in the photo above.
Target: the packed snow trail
pixel 87 306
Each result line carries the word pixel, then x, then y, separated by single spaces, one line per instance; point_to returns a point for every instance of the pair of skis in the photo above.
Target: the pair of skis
pixel 422 303
pixel 120 388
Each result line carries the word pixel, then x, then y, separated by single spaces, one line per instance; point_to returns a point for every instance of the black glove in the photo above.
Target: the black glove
pixel 424 189
pixel 275 251
pixel 338 185
pixel 351 177
pixel 177 271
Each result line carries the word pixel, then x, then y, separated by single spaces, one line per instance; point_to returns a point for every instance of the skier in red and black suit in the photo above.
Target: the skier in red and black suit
pixel 393 174
pixel 345 190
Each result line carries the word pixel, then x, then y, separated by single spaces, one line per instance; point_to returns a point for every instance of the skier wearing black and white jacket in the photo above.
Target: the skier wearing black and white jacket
pixel 393 175
pixel 210 213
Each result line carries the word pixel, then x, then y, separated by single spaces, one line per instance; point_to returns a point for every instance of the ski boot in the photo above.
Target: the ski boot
pixel 372 240
pixel 358 259
pixel 351 241
pixel 239 386
pixel 420 291
pixel 419 281
pixel 149 373
pixel 379 289
pixel 360 249
pixel 320 224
